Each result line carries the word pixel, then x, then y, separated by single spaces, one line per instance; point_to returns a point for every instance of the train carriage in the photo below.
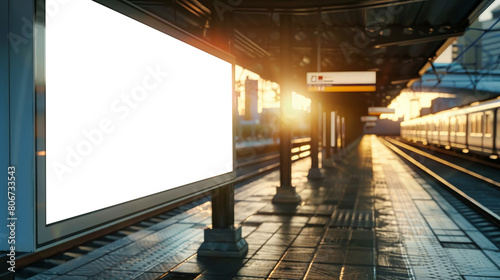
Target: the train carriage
pixel 471 128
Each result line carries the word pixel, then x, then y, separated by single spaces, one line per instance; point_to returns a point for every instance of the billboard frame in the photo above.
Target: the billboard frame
pixel 52 234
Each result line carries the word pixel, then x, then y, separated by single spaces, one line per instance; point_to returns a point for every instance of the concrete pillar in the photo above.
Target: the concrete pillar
pixel 338 135
pixel 286 193
pixel 342 128
pixel 327 154
pixel 314 172
pixel 328 133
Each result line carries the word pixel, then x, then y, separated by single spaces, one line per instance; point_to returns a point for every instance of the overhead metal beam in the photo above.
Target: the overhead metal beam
pixel 193 6
pixel 400 36
pixel 419 35
pixel 306 7
pixel 250 45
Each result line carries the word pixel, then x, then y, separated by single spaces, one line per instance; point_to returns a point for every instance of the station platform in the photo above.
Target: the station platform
pixel 371 217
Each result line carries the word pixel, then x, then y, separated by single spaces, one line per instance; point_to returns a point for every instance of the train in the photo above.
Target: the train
pixel 474 128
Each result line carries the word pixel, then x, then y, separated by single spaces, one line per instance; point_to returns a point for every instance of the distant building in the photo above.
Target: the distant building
pixel 425 111
pixel 441 104
pixel 475 73
pixel 485 53
pixel 384 127
pixel 251 100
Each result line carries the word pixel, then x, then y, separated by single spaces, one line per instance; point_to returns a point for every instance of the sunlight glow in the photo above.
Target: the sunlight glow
pixel 267 93
pixel 305 147
pixel 304 154
pixel 409 103
pixel 300 102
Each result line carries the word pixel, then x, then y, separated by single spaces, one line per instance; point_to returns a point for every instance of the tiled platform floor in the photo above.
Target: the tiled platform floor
pixel 370 218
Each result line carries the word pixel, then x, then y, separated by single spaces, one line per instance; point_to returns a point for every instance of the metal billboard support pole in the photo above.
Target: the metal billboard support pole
pixel 223 239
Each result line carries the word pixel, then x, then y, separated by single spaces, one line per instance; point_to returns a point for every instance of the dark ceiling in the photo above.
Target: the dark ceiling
pixel 398 39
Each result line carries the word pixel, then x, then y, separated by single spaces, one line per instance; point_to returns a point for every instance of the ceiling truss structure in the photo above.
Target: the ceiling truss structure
pixel 398 39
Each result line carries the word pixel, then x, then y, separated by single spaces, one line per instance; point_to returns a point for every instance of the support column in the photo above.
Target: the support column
pixel 314 172
pixel 223 239
pixel 286 193
pixel 327 154
pixel 337 134
pixel 342 135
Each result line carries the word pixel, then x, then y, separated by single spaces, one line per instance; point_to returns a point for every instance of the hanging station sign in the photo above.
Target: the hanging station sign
pixel 377 111
pixel 369 118
pixel 351 81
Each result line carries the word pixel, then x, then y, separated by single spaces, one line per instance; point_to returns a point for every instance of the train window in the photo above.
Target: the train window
pixel 473 123
pixel 488 123
pixel 479 123
pixel 497 121
pixel 461 123
pixel 476 123
pixel 453 121
pixel 445 124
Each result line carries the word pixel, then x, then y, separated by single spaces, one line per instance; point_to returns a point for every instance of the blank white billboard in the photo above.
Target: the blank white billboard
pixel 130 111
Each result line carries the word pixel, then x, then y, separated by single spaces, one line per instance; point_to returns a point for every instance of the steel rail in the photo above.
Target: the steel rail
pixel 447 163
pixel 469 200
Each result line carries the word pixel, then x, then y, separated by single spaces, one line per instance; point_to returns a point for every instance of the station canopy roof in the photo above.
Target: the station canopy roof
pixel 398 39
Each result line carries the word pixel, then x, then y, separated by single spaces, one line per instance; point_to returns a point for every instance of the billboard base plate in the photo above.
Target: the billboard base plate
pixel 226 243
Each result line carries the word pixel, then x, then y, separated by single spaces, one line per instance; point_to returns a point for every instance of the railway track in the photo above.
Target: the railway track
pixel 473 189
pixel 454 154
pixel 255 162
